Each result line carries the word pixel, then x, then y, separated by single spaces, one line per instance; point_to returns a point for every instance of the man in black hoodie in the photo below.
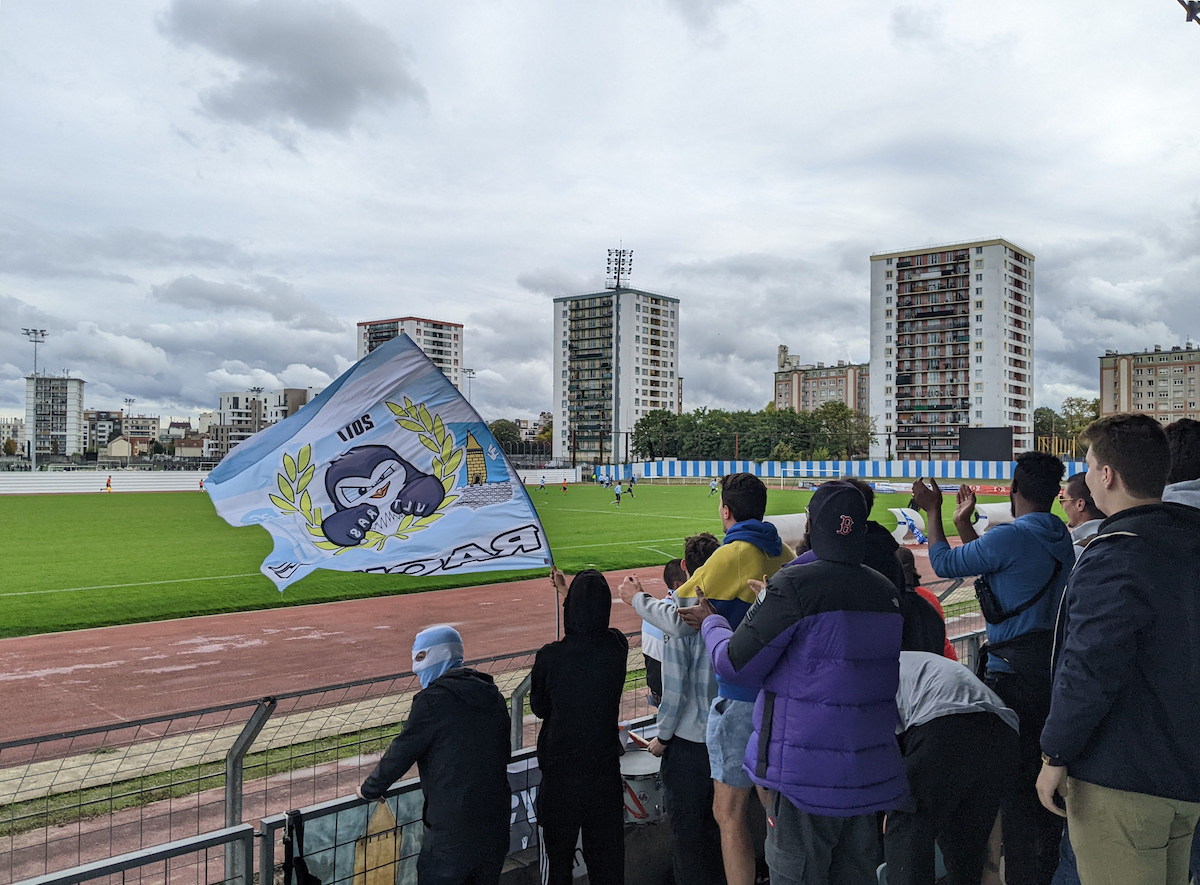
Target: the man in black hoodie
pixel 457 733
pixel 924 628
pixel 1122 741
pixel 577 684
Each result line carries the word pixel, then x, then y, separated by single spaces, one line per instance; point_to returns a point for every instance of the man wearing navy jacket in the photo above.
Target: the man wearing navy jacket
pixel 1122 741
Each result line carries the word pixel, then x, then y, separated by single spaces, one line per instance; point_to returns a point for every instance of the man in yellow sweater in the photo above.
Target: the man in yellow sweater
pixel 752 551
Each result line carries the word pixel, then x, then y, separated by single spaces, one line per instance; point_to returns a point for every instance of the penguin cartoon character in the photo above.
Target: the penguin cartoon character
pixel 372 487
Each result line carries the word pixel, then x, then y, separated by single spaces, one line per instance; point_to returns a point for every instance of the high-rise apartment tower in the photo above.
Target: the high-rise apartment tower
pixel 615 360
pixel 441 342
pixel 951 346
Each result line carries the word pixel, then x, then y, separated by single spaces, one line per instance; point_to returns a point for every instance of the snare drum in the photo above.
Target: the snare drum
pixel 644 802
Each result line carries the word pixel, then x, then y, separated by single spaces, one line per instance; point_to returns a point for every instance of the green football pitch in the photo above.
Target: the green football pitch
pixel 74 561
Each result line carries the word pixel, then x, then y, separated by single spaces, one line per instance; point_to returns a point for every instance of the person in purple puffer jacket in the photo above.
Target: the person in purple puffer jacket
pixel 822 645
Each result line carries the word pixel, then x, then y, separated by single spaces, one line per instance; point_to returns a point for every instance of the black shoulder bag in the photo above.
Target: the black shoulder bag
pixel 993 611
pixel 293 853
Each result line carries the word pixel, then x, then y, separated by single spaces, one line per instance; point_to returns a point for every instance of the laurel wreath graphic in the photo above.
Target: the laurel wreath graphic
pixel 434 435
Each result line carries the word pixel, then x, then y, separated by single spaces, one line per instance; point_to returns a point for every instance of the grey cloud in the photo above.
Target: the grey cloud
pixel 510 348
pixel 917 25
pixel 727 355
pixel 272 296
pixel 700 15
pixel 318 65
pixel 40 253
pixel 555 281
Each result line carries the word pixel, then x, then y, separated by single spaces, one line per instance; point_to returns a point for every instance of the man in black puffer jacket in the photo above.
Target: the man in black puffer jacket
pixel 577 684
pixel 457 734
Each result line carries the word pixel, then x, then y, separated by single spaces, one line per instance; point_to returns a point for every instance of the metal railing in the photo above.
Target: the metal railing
pixel 185 860
pixel 80 796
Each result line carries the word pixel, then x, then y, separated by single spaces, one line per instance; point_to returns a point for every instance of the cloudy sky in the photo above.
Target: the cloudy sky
pixel 203 195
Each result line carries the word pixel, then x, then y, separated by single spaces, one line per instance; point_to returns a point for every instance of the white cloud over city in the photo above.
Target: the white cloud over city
pixel 204 195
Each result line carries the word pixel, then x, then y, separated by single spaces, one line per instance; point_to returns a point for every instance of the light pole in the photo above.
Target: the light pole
pixel 256 407
pixel 468 374
pixel 36 337
pixel 129 401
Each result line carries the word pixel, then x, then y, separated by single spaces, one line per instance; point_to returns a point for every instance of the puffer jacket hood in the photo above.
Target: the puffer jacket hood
pixel 588 604
pixel 1186 492
pixel 838 515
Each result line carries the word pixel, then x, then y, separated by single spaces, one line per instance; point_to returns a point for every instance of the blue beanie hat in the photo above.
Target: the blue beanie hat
pixel 435 650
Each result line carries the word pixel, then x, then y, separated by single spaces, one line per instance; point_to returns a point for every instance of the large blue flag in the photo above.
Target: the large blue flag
pixel 389 471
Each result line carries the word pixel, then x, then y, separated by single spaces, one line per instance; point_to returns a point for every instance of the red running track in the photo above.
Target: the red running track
pixel 66 681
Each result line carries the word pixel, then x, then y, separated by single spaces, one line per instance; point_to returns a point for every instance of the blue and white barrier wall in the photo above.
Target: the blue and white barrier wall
pixel 974 470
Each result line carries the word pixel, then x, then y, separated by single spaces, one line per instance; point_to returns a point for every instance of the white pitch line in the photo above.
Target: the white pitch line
pixel 118 586
pixel 656 550
pixel 639 541
pixel 708 519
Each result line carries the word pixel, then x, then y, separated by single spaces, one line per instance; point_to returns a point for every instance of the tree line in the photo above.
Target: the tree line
pixel 832 432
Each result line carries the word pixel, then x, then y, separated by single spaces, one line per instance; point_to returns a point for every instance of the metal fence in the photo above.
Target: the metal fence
pixel 199 859
pixel 81 796
pixel 141 792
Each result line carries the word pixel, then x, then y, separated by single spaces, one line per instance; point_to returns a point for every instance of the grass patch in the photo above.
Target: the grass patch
pixel 76 561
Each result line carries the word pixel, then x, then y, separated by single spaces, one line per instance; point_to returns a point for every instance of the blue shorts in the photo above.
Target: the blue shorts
pixel 730 724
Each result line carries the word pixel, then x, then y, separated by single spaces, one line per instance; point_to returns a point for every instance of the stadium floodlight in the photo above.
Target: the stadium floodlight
pixel 619 267
pixel 36 337
pixel 468 374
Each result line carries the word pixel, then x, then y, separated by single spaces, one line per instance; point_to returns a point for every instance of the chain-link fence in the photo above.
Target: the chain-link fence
pixel 78 797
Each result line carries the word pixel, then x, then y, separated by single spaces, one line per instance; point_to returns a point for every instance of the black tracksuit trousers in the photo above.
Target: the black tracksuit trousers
pixel 589 801
pixel 959 767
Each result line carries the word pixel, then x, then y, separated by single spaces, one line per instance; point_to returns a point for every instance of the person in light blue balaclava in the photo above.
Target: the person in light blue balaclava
pixel 457 733
pixel 435 650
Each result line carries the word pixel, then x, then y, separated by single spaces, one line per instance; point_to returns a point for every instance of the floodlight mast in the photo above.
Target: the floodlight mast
pixel 36 337
pixel 619 267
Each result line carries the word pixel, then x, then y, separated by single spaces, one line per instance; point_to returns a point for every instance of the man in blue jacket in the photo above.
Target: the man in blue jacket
pixel 1024 567
pixel 1122 742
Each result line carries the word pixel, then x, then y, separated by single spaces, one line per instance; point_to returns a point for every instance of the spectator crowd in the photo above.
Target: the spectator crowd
pixel 816 688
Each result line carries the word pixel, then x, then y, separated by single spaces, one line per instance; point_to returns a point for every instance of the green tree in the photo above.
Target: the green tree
pixel 1079 412
pixel 546 432
pixel 1044 420
pixel 10 447
pixel 505 431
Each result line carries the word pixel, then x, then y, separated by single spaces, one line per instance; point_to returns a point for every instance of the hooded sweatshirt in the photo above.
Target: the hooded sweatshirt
pixel 457 733
pixel 822 642
pixel 1186 492
pixel 751 550
pixel 1018 559
pixel 577 683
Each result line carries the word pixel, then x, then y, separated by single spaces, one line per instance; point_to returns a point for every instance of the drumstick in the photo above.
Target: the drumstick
pixel 639 740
